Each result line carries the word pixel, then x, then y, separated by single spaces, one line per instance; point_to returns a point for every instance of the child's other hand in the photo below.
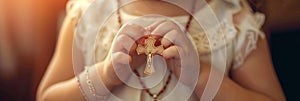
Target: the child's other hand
pixel 179 52
pixel 123 54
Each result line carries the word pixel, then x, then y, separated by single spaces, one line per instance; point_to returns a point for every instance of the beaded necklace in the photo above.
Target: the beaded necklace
pixel 155 96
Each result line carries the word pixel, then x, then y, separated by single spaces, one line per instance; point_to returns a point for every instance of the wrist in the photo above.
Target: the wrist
pixel 91 84
pixel 104 76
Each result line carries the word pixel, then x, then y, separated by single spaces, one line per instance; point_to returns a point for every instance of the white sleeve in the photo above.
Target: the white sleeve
pixel 249 27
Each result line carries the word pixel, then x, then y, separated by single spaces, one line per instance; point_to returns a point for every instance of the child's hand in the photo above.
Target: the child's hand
pixel 179 52
pixel 123 54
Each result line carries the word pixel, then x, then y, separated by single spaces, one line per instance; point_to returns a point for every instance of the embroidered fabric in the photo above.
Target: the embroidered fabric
pixel 242 36
pixel 249 34
pixel 205 46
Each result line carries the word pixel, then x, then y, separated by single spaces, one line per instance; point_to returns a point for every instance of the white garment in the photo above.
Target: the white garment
pixel 240 37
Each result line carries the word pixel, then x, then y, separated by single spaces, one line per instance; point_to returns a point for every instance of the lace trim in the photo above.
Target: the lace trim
pixel 201 40
pixel 216 38
pixel 248 46
pixel 250 34
pixel 75 8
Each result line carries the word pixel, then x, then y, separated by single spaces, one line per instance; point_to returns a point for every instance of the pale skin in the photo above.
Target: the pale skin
pixel 254 80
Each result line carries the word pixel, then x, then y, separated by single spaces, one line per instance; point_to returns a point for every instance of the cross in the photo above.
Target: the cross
pixel 149 49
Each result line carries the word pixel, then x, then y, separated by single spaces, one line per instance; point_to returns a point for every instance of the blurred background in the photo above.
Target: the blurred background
pixel 29 30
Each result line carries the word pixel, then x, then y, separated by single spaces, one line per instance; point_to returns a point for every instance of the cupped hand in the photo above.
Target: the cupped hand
pixel 180 53
pixel 122 55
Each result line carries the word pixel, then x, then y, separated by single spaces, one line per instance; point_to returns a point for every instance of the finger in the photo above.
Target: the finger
pixel 164 27
pixel 123 43
pixel 172 55
pixel 133 31
pixel 171 52
pixel 183 64
pixel 174 37
pixel 171 65
pixel 121 58
pixel 154 25
pixel 120 65
pixel 168 39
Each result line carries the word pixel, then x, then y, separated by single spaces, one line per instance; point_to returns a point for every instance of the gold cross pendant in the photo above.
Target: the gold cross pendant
pixel 149 49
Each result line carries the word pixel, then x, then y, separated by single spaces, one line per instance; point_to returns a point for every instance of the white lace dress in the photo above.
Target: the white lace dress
pixel 240 34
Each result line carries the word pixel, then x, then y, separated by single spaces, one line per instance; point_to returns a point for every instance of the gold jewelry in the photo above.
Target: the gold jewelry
pixel 149 49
